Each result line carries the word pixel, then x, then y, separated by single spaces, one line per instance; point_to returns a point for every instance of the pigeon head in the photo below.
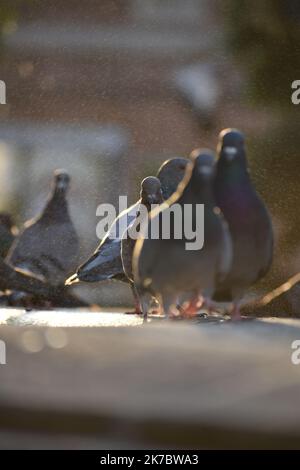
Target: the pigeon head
pixel 151 192
pixel 204 165
pixel 171 174
pixel 61 181
pixel 231 147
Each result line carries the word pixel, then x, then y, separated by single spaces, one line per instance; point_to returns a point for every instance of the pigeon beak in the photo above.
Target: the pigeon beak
pixel 61 185
pixel 152 199
pixel 205 170
pixel 230 153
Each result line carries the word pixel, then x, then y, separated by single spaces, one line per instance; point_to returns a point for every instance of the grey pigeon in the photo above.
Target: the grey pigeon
pixel 106 262
pixel 48 246
pixel 8 232
pixel 164 267
pixel 248 219
pixel 151 195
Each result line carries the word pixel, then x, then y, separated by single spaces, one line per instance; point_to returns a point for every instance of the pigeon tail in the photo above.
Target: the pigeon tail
pixel 74 279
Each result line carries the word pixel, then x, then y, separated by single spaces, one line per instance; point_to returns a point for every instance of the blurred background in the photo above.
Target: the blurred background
pixel 109 89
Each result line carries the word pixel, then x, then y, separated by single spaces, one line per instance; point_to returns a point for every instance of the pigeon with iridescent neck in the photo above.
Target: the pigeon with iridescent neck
pixel 249 222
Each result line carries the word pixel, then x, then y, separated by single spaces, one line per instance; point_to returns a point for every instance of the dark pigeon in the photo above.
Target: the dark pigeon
pixel 8 232
pixel 106 262
pixel 48 246
pixel 248 219
pixel 165 268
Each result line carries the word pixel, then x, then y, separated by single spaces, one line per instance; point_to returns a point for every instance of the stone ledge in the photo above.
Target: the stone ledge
pixel 206 385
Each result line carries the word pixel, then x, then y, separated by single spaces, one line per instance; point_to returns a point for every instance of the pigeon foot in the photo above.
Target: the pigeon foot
pixel 235 314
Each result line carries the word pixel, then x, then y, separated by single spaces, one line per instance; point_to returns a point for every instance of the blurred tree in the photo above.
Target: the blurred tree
pixel 9 12
pixel 265 36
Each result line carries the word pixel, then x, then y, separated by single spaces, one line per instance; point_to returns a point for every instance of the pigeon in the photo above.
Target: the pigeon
pixel 249 222
pixel 8 232
pixel 15 279
pixel 151 195
pixel 48 246
pixel 106 262
pixel 170 174
pixel 165 267
pixel 39 294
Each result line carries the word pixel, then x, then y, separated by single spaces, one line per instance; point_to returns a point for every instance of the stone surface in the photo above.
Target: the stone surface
pixel 197 384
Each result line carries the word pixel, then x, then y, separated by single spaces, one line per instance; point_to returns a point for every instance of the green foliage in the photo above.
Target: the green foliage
pixel 9 13
pixel 265 37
